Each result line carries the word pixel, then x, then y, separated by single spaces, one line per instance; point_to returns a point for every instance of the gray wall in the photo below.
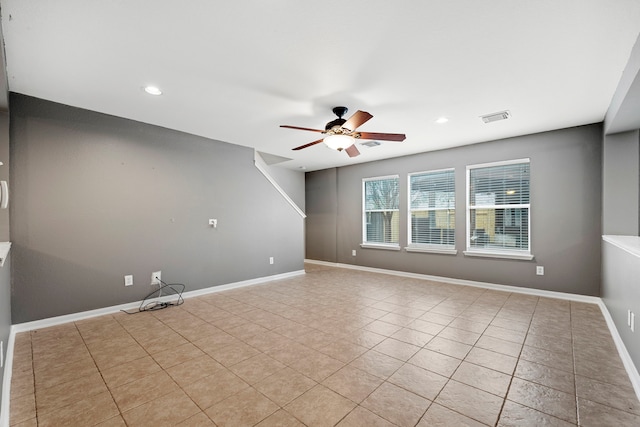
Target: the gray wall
pixel 322 215
pixel 621 183
pixel 97 197
pixel 565 212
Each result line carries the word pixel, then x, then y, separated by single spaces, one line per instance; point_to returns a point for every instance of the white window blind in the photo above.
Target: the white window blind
pixel 381 216
pixel 432 211
pixel 498 207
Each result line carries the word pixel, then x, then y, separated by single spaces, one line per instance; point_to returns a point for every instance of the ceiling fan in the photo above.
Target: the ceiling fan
pixel 341 134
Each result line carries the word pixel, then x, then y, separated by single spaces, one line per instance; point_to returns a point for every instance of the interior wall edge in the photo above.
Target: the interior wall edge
pixel 5 403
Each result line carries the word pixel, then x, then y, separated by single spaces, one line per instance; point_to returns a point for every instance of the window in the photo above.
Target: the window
pixel 432 203
pixel 498 210
pixel 381 215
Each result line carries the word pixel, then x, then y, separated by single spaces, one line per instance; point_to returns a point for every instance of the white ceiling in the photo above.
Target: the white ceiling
pixel 236 70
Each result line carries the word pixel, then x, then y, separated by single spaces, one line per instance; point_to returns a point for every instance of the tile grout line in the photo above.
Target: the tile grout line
pixel 573 358
pixel 462 360
pixel 513 374
pixel 33 371
pixel 100 372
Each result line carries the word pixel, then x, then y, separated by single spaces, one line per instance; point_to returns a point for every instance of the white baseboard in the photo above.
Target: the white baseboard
pixel 629 366
pixel 631 369
pixel 58 320
pixel 74 317
pixel 493 286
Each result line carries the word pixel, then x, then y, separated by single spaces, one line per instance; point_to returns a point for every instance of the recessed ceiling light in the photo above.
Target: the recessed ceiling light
pixel 152 90
pixel 442 120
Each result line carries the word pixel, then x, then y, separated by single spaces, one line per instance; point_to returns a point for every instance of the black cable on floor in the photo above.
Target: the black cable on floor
pixel 155 305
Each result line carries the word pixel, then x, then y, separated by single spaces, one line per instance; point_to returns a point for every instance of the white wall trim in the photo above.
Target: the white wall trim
pixel 262 167
pixel 236 285
pixel 631 369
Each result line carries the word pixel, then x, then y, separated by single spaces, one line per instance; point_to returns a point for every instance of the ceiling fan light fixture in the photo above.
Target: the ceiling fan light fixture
pixel 339 141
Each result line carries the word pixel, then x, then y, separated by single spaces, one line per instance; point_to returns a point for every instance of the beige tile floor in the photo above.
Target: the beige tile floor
pixel 332 347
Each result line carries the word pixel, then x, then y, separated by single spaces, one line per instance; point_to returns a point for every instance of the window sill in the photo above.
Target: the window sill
pixel 432 250
pixel 503 255
pixel 380 246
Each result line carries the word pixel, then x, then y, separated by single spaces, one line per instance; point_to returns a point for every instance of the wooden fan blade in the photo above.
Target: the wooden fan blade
pixel 299 128
pixel 308 145
pixel 357 120
pixel 352 151
pixel 398 137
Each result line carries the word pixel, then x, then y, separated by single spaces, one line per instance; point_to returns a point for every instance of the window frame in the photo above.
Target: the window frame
pixel 429 247
pixel 518 254
pixel 378 245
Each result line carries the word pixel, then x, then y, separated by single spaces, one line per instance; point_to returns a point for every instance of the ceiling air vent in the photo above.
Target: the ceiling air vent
pixel 370 143
pixel 494 117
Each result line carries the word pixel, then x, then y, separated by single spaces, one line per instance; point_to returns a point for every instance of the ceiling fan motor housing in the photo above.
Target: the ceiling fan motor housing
pixel 333 123
pixel 338 111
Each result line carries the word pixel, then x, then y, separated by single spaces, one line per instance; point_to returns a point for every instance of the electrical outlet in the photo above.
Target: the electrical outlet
pixel 270 260
pixel 156 276
pixel 214 223
pixel 540 270
pixel 353 252
pixel 128 280
pixel 633 322
pixel 629 318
